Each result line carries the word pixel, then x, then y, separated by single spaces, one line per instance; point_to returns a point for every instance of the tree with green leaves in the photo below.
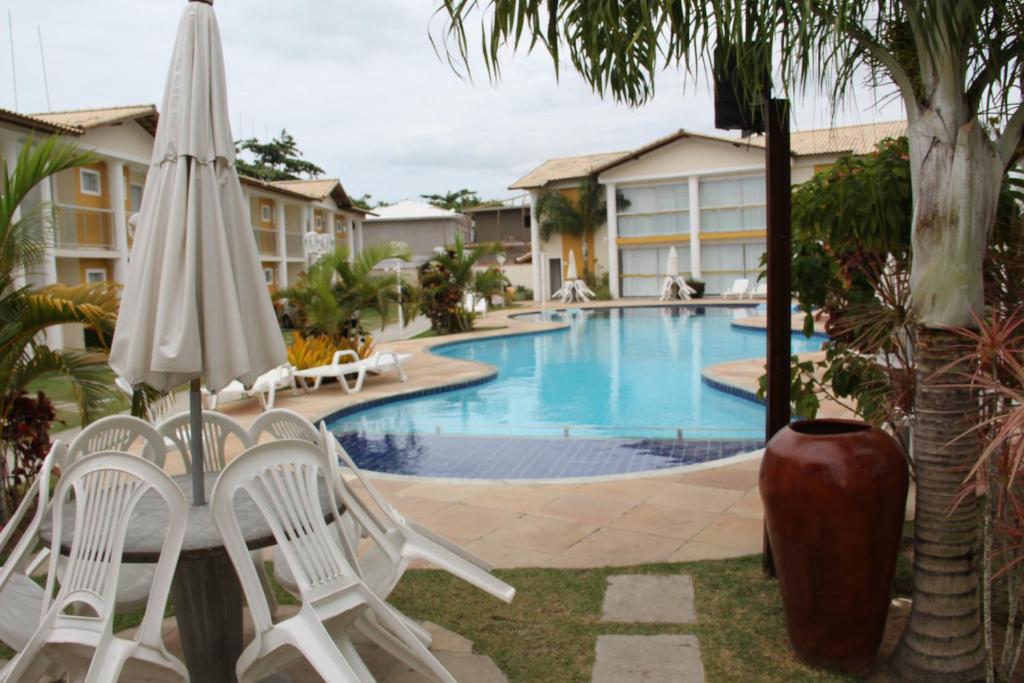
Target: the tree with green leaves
pixel 278 159
pixel 446 279
pixel 26 313
pixel 957 66
pixel 580 218
pixel 454 201
pixel 337 291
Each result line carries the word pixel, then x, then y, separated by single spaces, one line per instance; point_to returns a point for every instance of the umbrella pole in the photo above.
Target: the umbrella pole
pixel 195 407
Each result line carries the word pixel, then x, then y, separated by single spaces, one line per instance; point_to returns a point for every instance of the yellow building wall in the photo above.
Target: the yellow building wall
pixel 90 225
pixel 260 203
pixel 85 264
pixel 573 243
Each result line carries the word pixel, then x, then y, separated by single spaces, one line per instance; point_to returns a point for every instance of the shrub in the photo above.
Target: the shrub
pixel 26 440
pixel 314 350
pixel 601 286
pixel 698 287
pixel 523 294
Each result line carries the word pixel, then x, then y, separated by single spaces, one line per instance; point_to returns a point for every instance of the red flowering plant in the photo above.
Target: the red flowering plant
pixel 25 437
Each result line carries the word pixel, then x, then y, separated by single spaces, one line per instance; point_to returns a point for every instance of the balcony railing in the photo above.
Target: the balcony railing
pixel 293 243
pixel 79 227
pixel 266 241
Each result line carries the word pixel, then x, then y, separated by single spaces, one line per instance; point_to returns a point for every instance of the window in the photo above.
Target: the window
pixel 265 213
pixel 90 182
pixel 723 263
pixel 268 275
pixel 644 269
pixel 654 210
pixel 319 218
pixel 732 204
pixel 95 275
pixel 135 198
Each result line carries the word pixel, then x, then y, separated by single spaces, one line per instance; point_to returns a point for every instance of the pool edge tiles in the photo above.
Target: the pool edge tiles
pixel 481 458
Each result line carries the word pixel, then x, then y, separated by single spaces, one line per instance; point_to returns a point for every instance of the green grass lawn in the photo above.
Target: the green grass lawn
pixel 59 389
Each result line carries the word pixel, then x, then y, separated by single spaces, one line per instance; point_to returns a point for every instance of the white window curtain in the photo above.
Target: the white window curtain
pixel 732 204
pixel 653 210
pixel 644 269
pixel 723 263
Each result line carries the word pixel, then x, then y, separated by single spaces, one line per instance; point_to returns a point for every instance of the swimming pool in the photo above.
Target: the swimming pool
pixel 619 389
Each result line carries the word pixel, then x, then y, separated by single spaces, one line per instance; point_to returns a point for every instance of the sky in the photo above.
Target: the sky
pixel 361 88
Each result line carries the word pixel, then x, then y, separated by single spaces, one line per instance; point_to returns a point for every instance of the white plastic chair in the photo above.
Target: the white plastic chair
pixel 120 433
pixel 397 541
pixel 265 388
pixel 76 631
pixel 21 598
pixel 760 291
pixel 282 479
pixel 282 423
pixel 379 362
pixel 738 288
pixel 217 430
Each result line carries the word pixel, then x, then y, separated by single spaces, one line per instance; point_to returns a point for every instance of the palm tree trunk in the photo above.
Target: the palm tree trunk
pixel 957 178
pixel 943 639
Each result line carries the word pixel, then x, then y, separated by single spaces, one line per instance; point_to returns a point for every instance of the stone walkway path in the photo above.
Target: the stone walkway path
pixel 648 599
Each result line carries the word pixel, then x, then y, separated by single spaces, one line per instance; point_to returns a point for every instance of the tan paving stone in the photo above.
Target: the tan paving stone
pixel 734 531
pixel 649 599
pixel 721 477
pixel 445 492
pixel 637 489
pixel 694 497
pixel 463 523
pixel 663 520
pixel 615 547
pixel 418 508
pixel 587 508
pixel 518 498
pixel 749 505
pixel 506 556
pixel 548 535
pixel 695 552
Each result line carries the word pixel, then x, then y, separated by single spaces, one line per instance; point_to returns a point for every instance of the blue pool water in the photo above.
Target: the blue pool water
pixel 630 375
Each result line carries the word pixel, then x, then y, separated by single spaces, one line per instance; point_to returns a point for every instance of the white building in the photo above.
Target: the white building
pixel 421 226
pixel 703 194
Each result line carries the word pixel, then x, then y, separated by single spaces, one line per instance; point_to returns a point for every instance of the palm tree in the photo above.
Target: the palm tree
pixel 336 292
pixel 26 313
pixel 957 66
pixel 560 215
pixel 444 281
pixel 454 201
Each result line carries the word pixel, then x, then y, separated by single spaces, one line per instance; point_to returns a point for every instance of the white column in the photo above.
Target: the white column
pixel 360 237
pixel 694 211
pixel 535 257
pixel 117 200
pixel 613 239
pixel 54 333
pixel 308 227
pixel 350 229
pixel 10 152
pixel 282 243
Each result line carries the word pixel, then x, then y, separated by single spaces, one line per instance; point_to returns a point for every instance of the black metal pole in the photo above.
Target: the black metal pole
pixel 780 313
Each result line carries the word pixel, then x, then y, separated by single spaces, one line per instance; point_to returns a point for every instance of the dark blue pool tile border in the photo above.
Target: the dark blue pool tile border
pixel 732 390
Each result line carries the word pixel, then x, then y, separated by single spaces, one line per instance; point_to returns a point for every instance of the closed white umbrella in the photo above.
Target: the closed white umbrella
pixel 195 302
pixel 571 274
pixel 673 263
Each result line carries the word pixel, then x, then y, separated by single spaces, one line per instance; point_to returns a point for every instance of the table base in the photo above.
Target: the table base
pixel 208 606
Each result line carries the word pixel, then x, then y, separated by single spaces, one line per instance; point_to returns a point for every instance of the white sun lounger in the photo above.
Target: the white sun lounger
pixel 737 289
pixel 265 388
pixel 381 361
pixel 760 291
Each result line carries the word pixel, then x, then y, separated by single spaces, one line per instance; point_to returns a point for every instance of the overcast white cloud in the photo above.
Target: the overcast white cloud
pixel 359 85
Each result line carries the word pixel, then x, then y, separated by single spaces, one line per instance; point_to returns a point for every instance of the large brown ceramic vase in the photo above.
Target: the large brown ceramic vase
pixel 834 494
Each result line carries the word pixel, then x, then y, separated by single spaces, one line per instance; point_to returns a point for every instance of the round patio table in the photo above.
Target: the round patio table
pixel 206 594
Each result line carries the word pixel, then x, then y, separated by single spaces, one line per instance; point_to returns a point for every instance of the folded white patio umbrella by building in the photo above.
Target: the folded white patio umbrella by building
pixel 672 277
pixel 195 302
pixel 570 272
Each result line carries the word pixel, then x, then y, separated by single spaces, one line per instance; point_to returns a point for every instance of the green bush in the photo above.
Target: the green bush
pixel 523 294
pixel 698 287
pixel 601 287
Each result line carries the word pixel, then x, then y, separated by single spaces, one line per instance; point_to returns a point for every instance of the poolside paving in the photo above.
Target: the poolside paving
pixel 648 659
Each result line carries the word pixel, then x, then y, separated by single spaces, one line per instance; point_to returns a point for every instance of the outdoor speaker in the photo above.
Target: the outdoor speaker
pixel 732 112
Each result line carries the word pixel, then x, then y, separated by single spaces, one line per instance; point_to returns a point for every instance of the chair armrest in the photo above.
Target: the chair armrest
pixel 338 355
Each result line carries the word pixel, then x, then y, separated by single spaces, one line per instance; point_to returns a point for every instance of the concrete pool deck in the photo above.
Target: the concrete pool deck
pixel 702 512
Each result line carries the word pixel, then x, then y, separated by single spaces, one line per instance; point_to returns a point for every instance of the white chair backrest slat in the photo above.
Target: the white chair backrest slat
pixel 218 430
pixel 120 433
pixel 281 423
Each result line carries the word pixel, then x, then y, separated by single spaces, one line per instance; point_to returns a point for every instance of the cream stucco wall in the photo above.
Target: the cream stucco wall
pixel 685 157
pixel 128 141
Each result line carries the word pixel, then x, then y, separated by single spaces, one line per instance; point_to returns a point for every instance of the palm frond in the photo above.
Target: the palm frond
pixel 95 395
